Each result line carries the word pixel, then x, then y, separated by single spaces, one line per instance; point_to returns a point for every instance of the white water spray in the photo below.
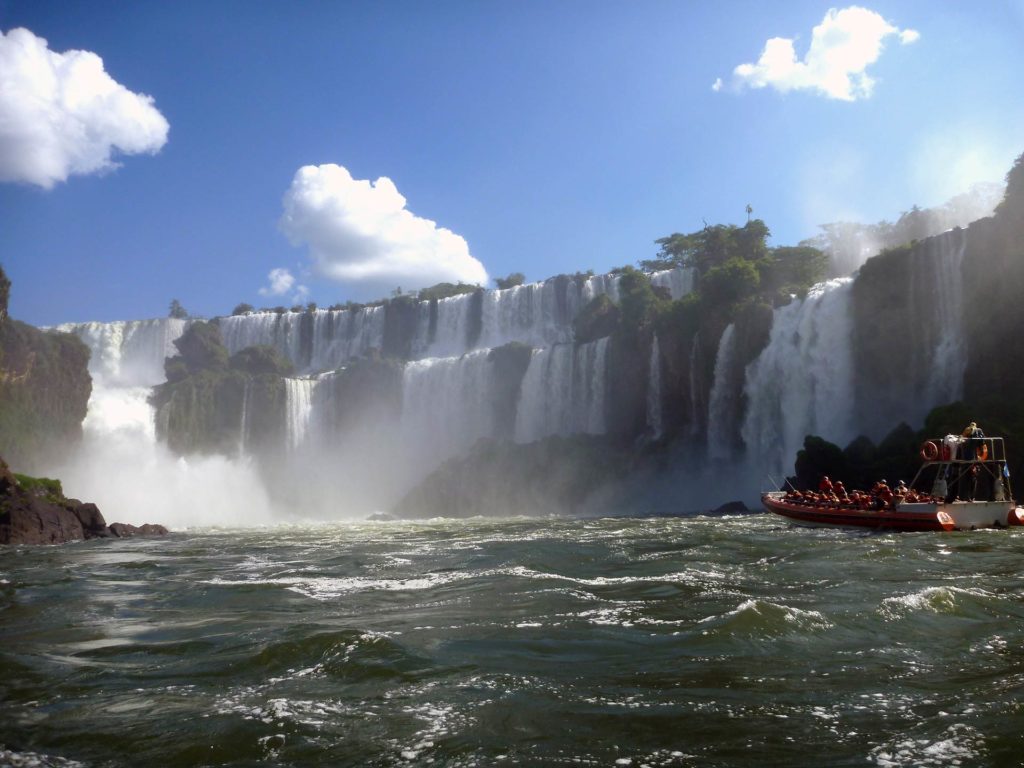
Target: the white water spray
pixel 119 464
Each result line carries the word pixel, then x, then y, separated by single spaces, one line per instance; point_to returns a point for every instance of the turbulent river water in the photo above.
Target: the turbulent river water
pixel 735 641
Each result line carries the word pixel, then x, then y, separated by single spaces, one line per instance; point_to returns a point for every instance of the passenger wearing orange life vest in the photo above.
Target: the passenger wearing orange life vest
pixel 840 491
pixel 900 494
pixel 825 486
pixel 883 494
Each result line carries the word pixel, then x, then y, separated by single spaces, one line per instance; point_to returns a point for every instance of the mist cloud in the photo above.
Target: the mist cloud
pixel 842 47
pixel 62 114
pixel 360 232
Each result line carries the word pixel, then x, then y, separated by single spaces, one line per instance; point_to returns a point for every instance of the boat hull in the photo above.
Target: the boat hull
pixel 928 517
pixel 956 516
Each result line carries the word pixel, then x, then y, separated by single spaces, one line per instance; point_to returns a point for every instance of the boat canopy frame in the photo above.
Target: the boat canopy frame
pixel 956 470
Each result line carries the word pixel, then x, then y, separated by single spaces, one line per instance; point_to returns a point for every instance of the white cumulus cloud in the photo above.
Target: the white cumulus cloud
pixel 62 114
pixel 360 232
pixel 281 281
pixel 842 47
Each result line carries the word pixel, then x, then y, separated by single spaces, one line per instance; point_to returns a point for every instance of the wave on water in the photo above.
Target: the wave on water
pixel 35 760
pixel 954 601
pixel 960 743
pixel 754 619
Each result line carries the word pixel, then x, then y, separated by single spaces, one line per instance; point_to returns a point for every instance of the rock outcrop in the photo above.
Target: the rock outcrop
pixel 35 511
pixel 44 389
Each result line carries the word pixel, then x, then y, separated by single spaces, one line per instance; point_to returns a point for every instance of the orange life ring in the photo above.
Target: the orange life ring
pixel 929 451
pixel 982 453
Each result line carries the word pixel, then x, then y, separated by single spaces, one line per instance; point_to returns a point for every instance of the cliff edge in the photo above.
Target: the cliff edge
pixel 44 389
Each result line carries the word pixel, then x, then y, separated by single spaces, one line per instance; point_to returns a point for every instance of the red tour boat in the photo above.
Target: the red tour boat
pixel 963 484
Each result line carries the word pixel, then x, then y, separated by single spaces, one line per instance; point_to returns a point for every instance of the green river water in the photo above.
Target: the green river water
pixel 702 641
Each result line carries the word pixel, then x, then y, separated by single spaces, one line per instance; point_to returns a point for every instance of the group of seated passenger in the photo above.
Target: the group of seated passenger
pixel 881 496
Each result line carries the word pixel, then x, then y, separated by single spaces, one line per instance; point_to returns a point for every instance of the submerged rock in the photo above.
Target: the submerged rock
pixel 731 508
pixel 35 511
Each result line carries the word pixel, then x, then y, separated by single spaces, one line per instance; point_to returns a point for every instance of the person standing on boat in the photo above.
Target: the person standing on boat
pixel 973 436
pixel 825 486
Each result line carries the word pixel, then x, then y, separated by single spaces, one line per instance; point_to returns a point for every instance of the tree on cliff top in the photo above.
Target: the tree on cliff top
pixel 638 303
pixel 200 348
pixel 1013 200
pixel 176 311
pixel 516 278
pixel 711 247
pixel 5 293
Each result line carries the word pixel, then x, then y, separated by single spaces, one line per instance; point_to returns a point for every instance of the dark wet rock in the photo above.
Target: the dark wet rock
pixel 731 508
pixel 125 530
pixel 35 511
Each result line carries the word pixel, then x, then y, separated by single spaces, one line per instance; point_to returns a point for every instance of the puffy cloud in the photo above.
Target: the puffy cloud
pixel 360 232
pixel 281 281
pixel 62 114
pixel 842 47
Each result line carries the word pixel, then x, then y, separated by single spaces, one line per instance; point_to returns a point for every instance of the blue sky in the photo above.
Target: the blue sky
pixel 540 137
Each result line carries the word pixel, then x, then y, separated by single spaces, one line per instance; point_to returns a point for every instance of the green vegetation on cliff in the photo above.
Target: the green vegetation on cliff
pixel 44 389
pixel 207 395
pixel 446 290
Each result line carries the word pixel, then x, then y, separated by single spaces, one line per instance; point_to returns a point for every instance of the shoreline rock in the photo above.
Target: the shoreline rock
pixel 35 511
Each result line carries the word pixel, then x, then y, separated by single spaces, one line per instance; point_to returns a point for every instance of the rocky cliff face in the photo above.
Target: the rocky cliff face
pixel 44 389
pixel 211 403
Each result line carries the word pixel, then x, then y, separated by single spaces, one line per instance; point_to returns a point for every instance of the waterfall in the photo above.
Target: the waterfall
pixel 341 335
pixel 695 399
pixel 128 353
pixel 451 331
pixel 678 281
pixel 598 285
pixel 120 466
pixel 563 392
pixel 447 404
pixel 268 329
pixel 298 409
pixel 937 296
pixel 655 423
pixel 802 382
pixel 314 341
pixel 538 314
pixel 126 359
pixel 722 403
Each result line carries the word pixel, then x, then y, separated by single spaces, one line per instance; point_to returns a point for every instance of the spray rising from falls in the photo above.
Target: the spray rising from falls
pixel 121 466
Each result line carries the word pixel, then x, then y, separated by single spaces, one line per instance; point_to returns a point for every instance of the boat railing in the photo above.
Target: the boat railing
pixel 966 450
pixel 960 460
